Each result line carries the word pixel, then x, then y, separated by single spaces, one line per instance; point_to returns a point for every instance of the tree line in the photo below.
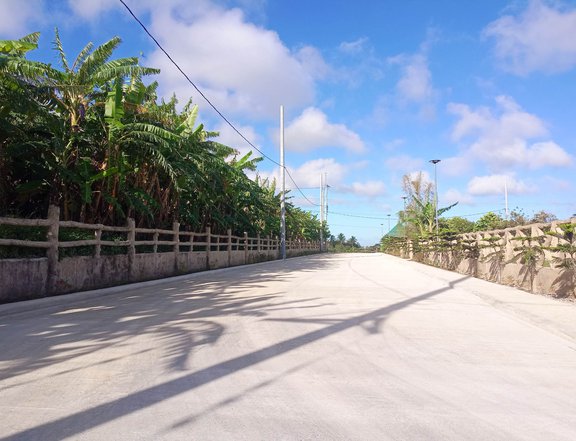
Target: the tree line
pixel 92 137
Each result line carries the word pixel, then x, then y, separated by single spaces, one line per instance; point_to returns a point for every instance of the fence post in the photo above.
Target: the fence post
pixel 155 238
pixel 131 249
pixel 245 247
pixel 258 245
pixel 208 246
pixel 176 240
pixel 52 252
pixel 98 238
pixel 229 247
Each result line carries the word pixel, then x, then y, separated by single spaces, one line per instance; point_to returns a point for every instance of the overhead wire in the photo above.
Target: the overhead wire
pixel 143 26
pixel 227 121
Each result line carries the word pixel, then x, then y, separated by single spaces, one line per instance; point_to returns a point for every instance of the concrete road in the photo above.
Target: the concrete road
pixel 337 347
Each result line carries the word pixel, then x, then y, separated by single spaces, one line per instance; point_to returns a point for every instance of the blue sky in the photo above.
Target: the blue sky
pixel 372 90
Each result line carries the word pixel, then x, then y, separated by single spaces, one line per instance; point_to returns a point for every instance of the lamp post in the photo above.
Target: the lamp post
pixel 435 161
pixel 388 224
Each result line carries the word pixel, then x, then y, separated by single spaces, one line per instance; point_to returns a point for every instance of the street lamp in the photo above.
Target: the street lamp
pixel 435 161
pixel 388 224
pixel 382 229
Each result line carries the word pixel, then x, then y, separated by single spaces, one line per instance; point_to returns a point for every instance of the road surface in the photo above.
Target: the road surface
pixel 333 347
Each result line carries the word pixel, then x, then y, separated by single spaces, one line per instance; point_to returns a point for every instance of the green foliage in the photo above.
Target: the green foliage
pixel 419 216
pixel 22 233
pixel 490 221
pixel 565 257
pixel 340 244
pixel 91 137
pixel 456 224
pixel 529 254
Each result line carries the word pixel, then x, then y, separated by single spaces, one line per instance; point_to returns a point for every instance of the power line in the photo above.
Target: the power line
pixel 209 102
pixel 194 85
pixel 363 216
pixel 300 190
pixel 478 214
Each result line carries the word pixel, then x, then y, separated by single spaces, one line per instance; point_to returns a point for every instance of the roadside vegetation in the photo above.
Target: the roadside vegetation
pixel 531 247
pixel 92 136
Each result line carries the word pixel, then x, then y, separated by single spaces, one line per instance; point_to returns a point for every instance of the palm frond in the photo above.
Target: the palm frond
pixel 124 67
pixel 60 49
pixel 81 58
pixel 97 58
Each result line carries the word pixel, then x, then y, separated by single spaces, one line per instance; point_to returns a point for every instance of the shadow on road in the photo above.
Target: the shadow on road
pixel 158 311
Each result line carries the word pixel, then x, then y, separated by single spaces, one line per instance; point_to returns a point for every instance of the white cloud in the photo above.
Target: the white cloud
pixel 394 144
pixel 415 84
pixel 452 196
pixel 548 154
pixel 353 47
pixel 501 138
pixel 17 17
pixel 91 9
pixel 308 174
pixel 368 188
pixel 404 163
pixel 229 137
pixel 496 184
pixel 312 130
pixel 455 166
pixel 541 38
pixel 313 62
pixel 243 68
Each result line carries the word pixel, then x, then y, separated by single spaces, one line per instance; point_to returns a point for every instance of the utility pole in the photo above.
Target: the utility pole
pixel 326 187
pixel 283 189
pixel 321 211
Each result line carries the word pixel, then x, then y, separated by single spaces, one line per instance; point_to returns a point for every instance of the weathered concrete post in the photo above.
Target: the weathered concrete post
pixel 131 249
pixel 229 247
pixel 245 247
pixel 98 239
pixel 176 240
pixel 208 246
pixel 155 238
pixel 52 251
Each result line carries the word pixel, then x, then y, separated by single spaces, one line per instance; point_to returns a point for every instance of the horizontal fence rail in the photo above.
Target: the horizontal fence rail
pixel 194 241
pixel 205 249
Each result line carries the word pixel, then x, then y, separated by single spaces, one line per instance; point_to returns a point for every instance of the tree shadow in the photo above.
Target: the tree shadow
pixel 81 421
pixel 565 284
pixel 78 328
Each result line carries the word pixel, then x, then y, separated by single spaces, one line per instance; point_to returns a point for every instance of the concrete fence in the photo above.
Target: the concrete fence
pixel 138 254
pixel 540 258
